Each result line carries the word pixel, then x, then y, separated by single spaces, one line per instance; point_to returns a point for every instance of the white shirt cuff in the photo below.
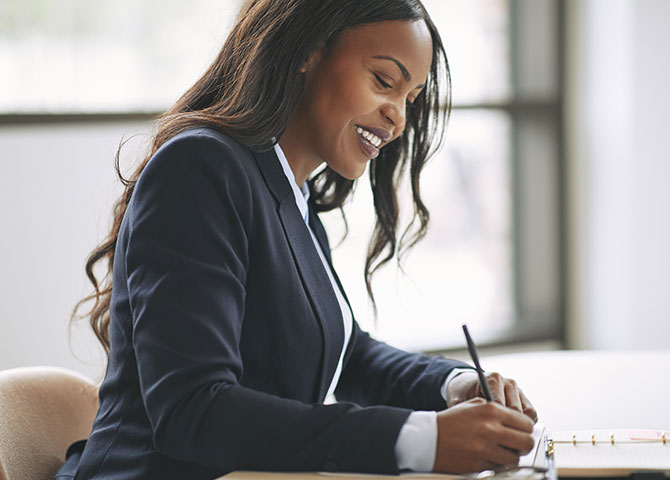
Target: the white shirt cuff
pixel 417 442
pixel 416 446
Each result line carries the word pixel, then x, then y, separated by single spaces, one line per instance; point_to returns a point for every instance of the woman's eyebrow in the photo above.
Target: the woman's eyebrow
pixel 405 73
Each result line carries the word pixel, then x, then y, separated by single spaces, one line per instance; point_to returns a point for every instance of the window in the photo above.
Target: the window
pixel 492 257
pixel 81 56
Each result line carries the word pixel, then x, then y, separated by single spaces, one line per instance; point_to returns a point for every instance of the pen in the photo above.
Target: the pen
pixel 475 358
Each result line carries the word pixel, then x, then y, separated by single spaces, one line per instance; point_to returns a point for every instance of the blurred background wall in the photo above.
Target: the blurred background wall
pixel 619 167
pixel 57 185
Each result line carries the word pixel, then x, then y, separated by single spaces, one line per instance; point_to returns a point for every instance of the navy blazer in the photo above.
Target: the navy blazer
pixel 225 334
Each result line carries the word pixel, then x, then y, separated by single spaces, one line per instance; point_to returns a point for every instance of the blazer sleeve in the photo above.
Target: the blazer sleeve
pixel 378 374
pixel 187 254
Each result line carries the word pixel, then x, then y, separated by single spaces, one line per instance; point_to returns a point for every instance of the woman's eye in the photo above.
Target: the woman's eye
pixel 382 82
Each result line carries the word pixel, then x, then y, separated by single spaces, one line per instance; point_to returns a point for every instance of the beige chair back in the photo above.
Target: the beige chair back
pixel 42 411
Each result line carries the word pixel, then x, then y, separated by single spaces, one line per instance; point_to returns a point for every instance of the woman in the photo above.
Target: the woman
pixel 225 323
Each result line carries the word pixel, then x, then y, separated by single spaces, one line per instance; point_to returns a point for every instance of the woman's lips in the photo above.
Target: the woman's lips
pixel 383 134
pixel 370 150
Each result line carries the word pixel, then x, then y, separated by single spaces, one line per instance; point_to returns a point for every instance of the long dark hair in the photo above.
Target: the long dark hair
pixel 252 89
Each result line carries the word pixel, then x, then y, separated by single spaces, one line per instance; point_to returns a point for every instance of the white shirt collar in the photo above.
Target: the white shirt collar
pixel 301 193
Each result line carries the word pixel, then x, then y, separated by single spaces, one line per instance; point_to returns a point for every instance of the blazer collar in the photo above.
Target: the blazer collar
pixel 272 173
pixel 314 278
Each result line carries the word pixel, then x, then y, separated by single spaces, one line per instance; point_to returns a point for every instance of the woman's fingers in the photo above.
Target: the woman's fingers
pixel 506 392
pixel 497 387
pixel 527 407
pixel 512 395
pixel 517 441
pixel 517 421
pixel 475 433
pixel 502 456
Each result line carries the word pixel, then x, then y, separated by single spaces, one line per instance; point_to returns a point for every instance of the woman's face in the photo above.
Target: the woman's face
pixel 356 95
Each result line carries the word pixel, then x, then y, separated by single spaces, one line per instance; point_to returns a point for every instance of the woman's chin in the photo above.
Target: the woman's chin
pixel 353 175
pixel 349 170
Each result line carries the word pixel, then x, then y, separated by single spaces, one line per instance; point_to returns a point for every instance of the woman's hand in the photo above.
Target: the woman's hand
pixel 503 390
pixel 477 435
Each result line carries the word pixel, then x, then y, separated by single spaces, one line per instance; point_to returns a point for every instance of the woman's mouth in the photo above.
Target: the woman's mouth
pixel 369 141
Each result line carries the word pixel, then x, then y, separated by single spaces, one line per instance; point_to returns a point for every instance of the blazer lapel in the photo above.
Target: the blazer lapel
pixel 312 273
pixel 322 237
pixel 319 233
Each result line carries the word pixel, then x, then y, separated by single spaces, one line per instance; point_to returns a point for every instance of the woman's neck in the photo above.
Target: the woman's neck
pixel 298 152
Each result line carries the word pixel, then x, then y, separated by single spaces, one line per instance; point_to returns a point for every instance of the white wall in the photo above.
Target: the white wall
pixel 618 81
pixel 57 184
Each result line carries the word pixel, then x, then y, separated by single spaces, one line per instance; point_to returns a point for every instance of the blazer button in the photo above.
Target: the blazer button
pixel 330 467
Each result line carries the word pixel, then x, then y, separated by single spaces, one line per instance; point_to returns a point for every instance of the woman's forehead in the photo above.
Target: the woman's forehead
pixel 408 42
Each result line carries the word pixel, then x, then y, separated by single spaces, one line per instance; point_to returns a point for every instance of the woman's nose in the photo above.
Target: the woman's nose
pixel 394 113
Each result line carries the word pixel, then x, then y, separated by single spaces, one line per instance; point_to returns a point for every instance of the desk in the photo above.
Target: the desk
pixel 574 390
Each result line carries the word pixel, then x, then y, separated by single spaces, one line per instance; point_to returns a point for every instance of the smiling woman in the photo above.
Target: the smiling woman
pixel 356 100
pixel 226 326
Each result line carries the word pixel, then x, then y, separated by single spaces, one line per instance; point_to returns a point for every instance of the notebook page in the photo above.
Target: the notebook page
pixel 596 451
pixel 627 456
pixel 535 458
pixel 606 436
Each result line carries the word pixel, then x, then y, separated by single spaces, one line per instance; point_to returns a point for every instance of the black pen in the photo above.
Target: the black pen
pixel 475 358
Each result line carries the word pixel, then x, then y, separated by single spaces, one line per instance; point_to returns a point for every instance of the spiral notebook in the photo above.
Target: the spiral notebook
pixel 609 453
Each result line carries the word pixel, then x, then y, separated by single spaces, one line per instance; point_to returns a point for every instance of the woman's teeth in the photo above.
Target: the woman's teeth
pixel 370 137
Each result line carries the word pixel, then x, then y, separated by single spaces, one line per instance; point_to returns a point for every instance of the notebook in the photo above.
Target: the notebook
pixel 609 453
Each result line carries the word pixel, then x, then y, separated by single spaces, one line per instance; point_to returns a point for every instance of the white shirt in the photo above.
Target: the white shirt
pixel 416 445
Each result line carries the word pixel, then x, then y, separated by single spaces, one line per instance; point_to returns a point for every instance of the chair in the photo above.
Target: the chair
pixel 42 411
